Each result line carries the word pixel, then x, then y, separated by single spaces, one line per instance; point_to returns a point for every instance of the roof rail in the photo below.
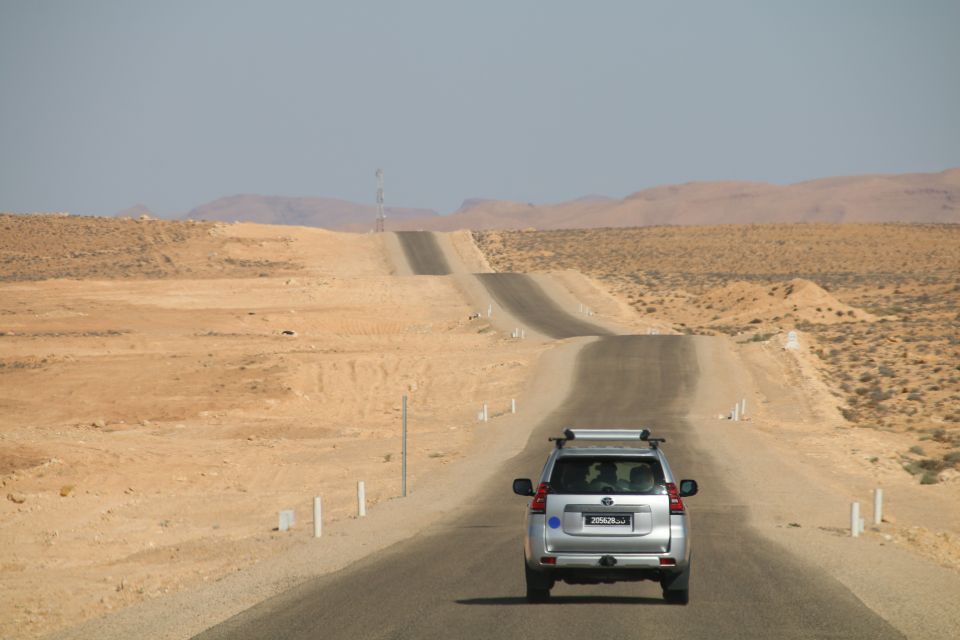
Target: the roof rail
pixel 607 435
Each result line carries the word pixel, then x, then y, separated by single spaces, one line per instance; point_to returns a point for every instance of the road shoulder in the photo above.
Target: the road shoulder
pixel 797 501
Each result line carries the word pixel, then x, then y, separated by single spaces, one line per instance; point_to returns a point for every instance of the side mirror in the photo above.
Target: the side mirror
pixel 523 487
pixel 688 488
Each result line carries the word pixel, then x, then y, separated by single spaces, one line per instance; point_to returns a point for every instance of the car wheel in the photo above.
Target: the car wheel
pixel 538 585
pixel 676 596
pixel 676 587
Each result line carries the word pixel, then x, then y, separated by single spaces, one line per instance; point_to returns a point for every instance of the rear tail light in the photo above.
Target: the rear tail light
pixel 668 562
pixel 676 502
pixel 539 502
pixel 548 560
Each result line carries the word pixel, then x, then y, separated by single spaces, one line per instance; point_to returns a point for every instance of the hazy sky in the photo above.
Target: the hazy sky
pixel 172 104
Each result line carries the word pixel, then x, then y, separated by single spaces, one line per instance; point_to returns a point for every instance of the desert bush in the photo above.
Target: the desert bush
pixel 849 414
pixel 929 477
pixel 917 449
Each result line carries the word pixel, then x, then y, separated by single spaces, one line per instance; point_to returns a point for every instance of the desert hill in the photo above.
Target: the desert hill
pixel 916 197
pixel 753 303
pixel 329 213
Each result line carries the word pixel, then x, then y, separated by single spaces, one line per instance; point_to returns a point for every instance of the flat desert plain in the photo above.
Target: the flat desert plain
pixel 167 387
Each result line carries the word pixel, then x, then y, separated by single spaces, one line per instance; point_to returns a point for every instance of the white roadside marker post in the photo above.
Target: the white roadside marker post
pixel 854 519
pixel 490 310
pixel 877 505
pixel 317 519
pixel 361 499
pixel 736 412
pixel 743 407
pixel 486 415
pixel 513 405
pixel 403 452
pixel 286 520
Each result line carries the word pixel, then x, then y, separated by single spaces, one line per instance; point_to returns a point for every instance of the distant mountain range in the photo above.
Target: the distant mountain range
pixel 914 197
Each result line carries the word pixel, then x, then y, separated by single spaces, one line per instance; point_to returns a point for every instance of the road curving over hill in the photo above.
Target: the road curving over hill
pixel 463 576
pixel 518 293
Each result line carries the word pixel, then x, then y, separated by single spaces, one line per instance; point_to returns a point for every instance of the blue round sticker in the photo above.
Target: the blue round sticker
pixel 554 522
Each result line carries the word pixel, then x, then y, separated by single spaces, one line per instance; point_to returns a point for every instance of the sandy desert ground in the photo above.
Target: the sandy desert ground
pixel 154 417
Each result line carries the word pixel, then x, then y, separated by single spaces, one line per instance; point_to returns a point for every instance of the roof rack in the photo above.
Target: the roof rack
pixel 607 435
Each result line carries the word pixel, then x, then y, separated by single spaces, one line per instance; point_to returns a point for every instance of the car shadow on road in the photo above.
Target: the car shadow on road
pixel 520 600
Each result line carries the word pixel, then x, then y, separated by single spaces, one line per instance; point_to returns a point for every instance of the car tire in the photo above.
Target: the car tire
pixel 538 585
pixel 676 596
pixel 676 587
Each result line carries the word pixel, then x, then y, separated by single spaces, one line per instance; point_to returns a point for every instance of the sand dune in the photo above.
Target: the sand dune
pixel 747 302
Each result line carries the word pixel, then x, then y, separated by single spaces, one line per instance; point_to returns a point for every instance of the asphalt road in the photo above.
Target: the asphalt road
pixel 463 578
pixel 515 291
pixel 525 299
pixel 423 253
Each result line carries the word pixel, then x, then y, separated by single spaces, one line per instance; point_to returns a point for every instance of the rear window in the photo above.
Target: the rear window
pixel 607 475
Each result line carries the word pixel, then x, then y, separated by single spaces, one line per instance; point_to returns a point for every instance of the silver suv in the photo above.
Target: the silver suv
pixel 607 514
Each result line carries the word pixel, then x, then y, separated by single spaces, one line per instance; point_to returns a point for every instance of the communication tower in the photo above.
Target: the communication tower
pixel 381 217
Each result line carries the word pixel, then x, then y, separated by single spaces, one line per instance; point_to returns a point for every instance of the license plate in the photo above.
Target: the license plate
pixel 611 520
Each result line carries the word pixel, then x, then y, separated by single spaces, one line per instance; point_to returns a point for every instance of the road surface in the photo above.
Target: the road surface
pixel 526 300
pixel 423 253
pixel 515 291
pixel 463 577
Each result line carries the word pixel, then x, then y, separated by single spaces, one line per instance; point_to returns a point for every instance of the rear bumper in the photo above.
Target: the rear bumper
pixel 578 562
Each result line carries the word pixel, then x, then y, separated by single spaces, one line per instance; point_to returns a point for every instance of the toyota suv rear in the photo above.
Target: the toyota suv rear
pixel 607 514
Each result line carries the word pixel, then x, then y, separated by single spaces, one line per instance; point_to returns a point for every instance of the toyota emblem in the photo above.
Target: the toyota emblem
pixel 607 502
